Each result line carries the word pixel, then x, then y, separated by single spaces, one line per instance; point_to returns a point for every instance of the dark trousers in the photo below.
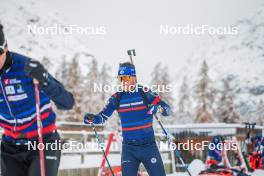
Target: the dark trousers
pixel 145 152
pixel 18 160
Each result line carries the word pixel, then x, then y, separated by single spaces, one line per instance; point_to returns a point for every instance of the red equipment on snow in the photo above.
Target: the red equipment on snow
pixel 226 169
pixel 255 161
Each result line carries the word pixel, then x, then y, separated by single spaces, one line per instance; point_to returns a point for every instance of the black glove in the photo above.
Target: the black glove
pixel 89 118
pixel 35 69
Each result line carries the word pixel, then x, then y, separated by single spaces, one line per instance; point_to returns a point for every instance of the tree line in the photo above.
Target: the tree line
pixel 197 102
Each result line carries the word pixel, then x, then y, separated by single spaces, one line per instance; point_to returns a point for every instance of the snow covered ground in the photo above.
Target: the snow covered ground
pixel 90 161
pixel 256 173
pixel 179 174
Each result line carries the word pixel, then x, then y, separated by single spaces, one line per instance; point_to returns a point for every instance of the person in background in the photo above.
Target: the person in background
pixel 136 107
pixel 18 113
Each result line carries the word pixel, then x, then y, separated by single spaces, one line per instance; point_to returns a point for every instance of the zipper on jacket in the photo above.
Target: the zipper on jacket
pixel 9 108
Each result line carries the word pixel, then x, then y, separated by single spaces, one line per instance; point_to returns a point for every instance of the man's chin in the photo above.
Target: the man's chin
pixel 126 89
pixel 1 66
pixel 2 60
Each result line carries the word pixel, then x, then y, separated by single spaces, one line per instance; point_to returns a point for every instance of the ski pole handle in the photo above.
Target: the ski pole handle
pixel 131 53
pixel 35 81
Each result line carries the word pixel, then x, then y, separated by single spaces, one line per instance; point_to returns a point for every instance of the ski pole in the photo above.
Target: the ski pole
pixel 107 150
pixel 99 142
pixel 40 127
pixel 168 136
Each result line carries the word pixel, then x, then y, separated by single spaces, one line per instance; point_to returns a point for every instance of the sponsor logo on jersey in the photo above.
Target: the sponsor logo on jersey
pixel 6 81
pixel 20 88
pixel 14 81
pixel 10 90
pixel 153 160
pixel 17 97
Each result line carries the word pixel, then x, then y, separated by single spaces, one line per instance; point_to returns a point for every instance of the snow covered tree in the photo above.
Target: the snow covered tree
pixel 161 79
pixel 105 79
pixel 92 100
pixel 61 74
pixel 74 85
pixel 87 98
pixel 226 111
pixel 69 74
pixel 167 96
pixel 184 106
pixel 46 62
pixel 156 74
pixel 204 96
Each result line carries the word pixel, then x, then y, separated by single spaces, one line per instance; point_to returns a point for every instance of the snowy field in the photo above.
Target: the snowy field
pixel 90 161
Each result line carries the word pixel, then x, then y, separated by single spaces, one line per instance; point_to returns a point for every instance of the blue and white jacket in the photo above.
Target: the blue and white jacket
pixel 18 104
pixel 135 114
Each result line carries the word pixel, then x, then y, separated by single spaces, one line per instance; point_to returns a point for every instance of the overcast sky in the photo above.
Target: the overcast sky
pixel 136 24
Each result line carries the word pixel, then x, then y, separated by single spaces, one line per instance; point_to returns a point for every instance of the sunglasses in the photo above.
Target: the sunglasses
pixel 125 78
pixel 2 48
